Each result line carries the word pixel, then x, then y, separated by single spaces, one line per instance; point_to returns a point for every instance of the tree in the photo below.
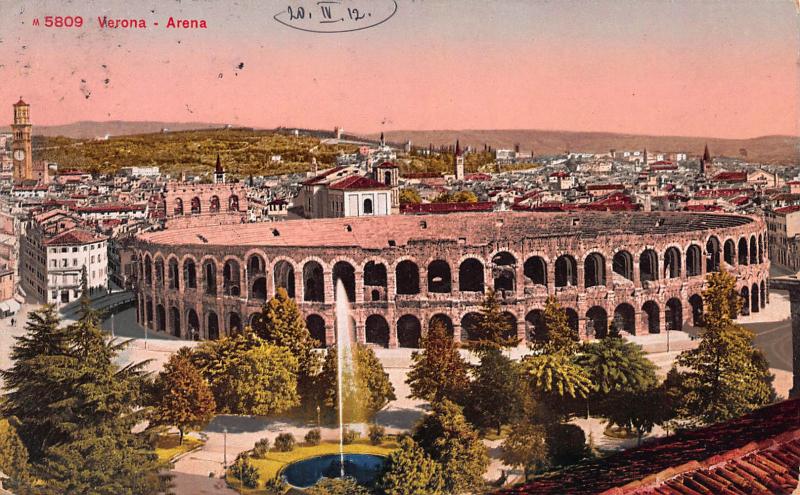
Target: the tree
pixel 337 486
pixel 447 438
pixel 409 471
pixel 525 446
pixel 493 329
pixel 465 197
pixel 560 337
pixel 371 389
pixel 438 371
pixel 262 382
pixel 556 375
pixel 182 397
pixel 615 365
pixel 495 396
pixel 724 377
pixel 13 454
pixel 409 196
pixel 639 411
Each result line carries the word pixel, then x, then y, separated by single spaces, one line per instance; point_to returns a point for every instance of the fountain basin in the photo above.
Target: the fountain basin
pixel 364 468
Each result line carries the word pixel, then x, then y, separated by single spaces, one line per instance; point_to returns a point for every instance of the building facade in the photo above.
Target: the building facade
pixel 21 150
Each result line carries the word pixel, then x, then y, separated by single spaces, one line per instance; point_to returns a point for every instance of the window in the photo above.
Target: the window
pixel 75 250
pixel 367 206
pixel 74 261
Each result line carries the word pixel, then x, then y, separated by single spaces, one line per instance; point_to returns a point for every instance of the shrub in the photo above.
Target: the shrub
pixel 567 444
pixel 284 442
pixel 244 471
pixel 376 434
pixel 275 486
pixel 313 437
pixel 350 436
pixel 261 448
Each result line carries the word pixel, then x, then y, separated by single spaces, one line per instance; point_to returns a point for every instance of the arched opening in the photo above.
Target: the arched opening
pixel 536 330
pixel 409 331
pixel 375 281
pixel 566 271
pixel 190 274
pixel 693 259
pixel 196 208
pixel 192 325
pixel 673 314
pixel 148 270
pixel 316 327
pixel 313 282
pixel 161 318
pixel 536 270
pixel 745 293
pixel 469 327
pixel 504 268
pixel 763 298
pixel 367 206
pixel 648 266
pixel 510 325
pixel 594 270
pixel 439 278
pixel 213 326
pixel 210 272
pixel 572 319
pixel 755 307
pixel 696 302
pixel 742 248
pixel 345 272
pixel 377 330
pixel 255 265
pixel 387 178
pixel 470 276
pixel 175 318
pixel 729 249
pixel 652 315
pixel 712 255
pixel 283 273
pixel 672 263
pixel 760 248
pixel 625 319
pixel 149 313
pixel 444 320
pixel 753 250
pixel 213 204
pixel 407 276
pixel 178 210
pixel 233 203
pixel 172 274
pixel 596 322
pixel 622 264
pixel 231 281
pixel 159 272
pixel 259 289
pixel 234 324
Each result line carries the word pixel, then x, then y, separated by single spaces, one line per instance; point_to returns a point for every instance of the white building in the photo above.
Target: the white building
pixel 344 192
pixel 140 171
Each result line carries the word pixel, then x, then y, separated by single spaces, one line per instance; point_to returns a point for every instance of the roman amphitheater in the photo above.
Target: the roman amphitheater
pixel 643 272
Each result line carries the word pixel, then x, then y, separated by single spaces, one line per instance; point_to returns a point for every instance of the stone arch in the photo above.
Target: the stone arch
pixel 213 204
pixel 210 277
pixel 573 320
pixel 148 269
pixel 470 276
pixel 753 250
pixel 755 307
pixel 407 277
pixel 283 273
pixel 594 270
pixel 625 318
pixel 672 262
pixel 192 324
pixel 439 277
pixel 234 323
pixel 760 248
pixel 504 271
pixel 693 261
pixel 196 208
pixel 256 265
pixel 178 210
pixel 712 254
pixel 161 318
pixel 511 325
pixel 696 302
pixel 190 273
pixel 316 327
pixel 313 282
pixel 622 264
pixel 212 325
pixel 673 314
pixel 149 313
pixel 231 278
pixel 258 290
pixel 445 320
pixel 469 326
pixel 345 272
pixel 159 269
pixel 745 294
pixel 763 298
pixel 409 331
pixel 597 322
pixel 375 281
pixel 536 330
pixel 233 203
pixel 173 273
pixel 566 271
pixel 376 330
pixel 535 269
pixel 729 252
pixel 175 319
pixel 653 315
pixel 648 266
pixel 742 249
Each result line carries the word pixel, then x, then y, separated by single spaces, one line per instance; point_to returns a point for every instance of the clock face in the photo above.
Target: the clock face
pixel 19 155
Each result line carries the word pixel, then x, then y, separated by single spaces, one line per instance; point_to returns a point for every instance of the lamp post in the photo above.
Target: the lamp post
pixel 225 448
pixel 319 422
pixel 112 325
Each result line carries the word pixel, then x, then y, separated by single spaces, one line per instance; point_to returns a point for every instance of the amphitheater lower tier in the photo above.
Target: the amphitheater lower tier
pixel 643 272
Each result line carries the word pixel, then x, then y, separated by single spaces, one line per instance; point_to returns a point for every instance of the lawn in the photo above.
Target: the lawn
pixel 268 467
pixel 168 446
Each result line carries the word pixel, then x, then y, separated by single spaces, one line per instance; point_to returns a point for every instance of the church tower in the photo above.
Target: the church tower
pixel 459 162
pixel 705 162
pixel 21 147
pixel 219 172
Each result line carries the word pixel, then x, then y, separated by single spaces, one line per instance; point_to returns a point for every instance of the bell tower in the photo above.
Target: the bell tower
pixel 459 162
pixel 21 147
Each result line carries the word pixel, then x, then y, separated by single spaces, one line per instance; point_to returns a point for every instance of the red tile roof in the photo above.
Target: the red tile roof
pixel 355 182
pixel 387 165
pixel 72 237
pixel 787 209
pixel 446 207
pixel 319 178
pixel 731 177
pixel 604 187
pixel 756 454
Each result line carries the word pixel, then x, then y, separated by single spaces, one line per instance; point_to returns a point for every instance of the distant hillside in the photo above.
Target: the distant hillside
pixel 92 129
pixel 767 149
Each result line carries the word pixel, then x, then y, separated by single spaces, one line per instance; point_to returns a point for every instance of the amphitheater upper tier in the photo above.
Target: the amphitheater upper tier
pixel 641 271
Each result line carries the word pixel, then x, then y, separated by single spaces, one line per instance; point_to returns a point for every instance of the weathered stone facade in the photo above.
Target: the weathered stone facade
pixel 642 271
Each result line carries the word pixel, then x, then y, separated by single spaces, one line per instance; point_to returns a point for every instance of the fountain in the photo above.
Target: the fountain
pixel 345 367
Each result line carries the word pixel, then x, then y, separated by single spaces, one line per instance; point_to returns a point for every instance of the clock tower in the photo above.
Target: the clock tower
pixel 21 146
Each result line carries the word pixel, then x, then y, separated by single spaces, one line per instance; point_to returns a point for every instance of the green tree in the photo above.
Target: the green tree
pixel 559 337
pixel 495 394
pixel 409 471
pixel 556 375
pixel 493 329
pixel 465 197
pixel 526 446
pixel 724 377
pixel 337 486
pixel 448 439
pixel 615 365
pixel 13 454
pixel 638 411
pixel 438 371
pixel 409 196
pixel 262 382
pixel 182 397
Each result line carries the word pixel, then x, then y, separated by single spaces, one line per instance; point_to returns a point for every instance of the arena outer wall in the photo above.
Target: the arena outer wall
pixel 643 271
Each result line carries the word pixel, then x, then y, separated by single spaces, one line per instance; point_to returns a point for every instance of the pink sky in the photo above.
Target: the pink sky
pixel 726 69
